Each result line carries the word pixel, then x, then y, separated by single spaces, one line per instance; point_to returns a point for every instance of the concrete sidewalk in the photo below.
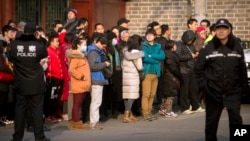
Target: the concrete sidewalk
pixel 182 128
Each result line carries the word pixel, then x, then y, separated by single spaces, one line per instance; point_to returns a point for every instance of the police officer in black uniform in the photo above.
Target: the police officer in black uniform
pixel 29 85
pixel 221 74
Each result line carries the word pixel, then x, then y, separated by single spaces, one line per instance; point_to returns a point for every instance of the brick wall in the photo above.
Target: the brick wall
pixel 175 13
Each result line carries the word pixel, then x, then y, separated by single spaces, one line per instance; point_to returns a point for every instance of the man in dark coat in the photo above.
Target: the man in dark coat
pixel 29 85
pixel 188 91
pixel 221 74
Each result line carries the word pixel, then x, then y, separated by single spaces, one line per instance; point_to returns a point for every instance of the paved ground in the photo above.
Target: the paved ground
pixel 182 128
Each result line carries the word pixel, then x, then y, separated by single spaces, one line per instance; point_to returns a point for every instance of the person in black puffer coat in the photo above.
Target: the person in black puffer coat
pixel 171 79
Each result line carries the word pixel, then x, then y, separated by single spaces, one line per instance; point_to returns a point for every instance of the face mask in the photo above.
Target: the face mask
pixel 83 48
pixel 114 42
pixel 4 49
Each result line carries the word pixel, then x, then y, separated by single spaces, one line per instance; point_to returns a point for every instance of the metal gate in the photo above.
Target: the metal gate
pixel 28 10
pixel 31 11
pixel 55 10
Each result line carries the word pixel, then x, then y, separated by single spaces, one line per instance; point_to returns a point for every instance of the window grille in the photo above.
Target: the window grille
pixel 31 11
pixel 28 10
pixel 55 10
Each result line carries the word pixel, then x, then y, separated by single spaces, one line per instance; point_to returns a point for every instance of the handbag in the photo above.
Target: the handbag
pixel 141 73
pixel 107 72
pixel 6 77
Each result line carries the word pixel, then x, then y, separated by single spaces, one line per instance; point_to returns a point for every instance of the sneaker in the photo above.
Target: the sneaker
pixel 187 112
pixel 171 114
pixel 45 128
pixel 59 119
pixel 65 117
pixel 96 126
pixel 52 119
pixel 147 118
pixel 199 110
pixel 2 123
pixel 190 107
pixel 162 112
pixel 6 121
pixel 153 117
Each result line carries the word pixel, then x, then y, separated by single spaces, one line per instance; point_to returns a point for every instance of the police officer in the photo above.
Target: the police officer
pixel 26 53
pixel 221 73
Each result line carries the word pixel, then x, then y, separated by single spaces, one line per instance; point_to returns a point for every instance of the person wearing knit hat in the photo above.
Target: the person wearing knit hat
pixel 200 29
pixel 72 21
pixel 202 32
pixel 74 11
pixel 200 37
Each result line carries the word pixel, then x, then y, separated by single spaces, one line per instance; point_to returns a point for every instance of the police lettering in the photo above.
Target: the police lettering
pixel 23 54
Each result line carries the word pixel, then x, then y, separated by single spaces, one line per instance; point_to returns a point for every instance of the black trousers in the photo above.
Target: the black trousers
pixel 53 105
pixel 213 113
pixel 34 103
pixel 85 108
pixel 189 93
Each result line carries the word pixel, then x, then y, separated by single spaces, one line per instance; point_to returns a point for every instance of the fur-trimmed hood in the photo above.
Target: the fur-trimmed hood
pixel 70 53
pixel 230 43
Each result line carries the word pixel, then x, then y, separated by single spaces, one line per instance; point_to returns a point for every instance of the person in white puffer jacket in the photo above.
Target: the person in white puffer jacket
pixel 131 65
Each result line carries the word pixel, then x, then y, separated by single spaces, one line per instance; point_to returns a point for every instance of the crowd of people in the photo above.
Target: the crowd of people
pixel 69 75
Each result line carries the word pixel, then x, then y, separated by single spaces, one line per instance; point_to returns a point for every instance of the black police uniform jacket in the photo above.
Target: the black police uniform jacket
pixel 26 53
pixel 220 69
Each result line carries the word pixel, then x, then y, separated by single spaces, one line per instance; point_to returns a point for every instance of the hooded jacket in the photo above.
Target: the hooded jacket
pixel 131 64
pixel 79 70
pixel 171 74
pixel 185 50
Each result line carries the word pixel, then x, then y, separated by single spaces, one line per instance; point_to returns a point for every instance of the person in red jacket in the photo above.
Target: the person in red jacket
pixel 54 78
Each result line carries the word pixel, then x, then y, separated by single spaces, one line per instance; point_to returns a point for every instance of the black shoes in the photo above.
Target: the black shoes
pixel 45 128
pixel 2 123
pixel 30 129
pixel 44 139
